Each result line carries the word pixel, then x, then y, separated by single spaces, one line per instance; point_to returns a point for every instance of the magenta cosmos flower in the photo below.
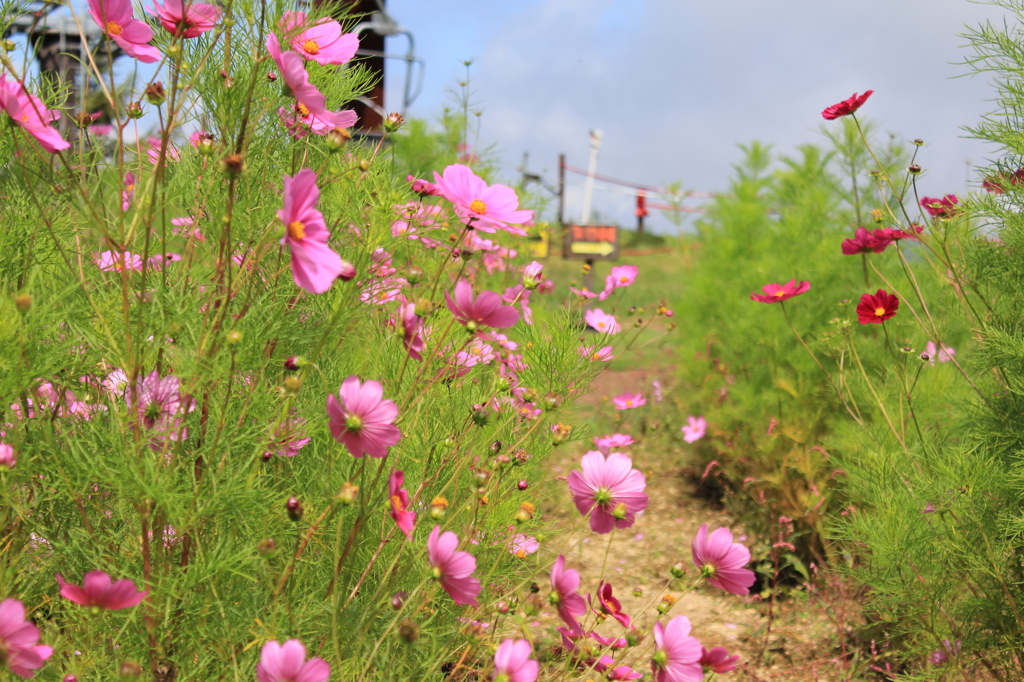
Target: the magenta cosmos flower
pixel 565 582
pixel 777 293
pixel 946 207
pixel 314 265
pixel 694 429
pixel 677 656
pixel 847 106
pixel 18 637
pixel 453 568
pixel 29 112
pixel 485 311
pixel 361 419
pixel 478 205
pixel 601 321
pixel 877 308
pixel 718 660
pixel 287 663
pixel 99 591
pixel 721 561
pixel 117 22
pixel 321 42
pixel 629 401
pixel 512 662
pixel 609 489
pixel 608 605
pixel 399 496
pixel 864 242
pixel 189 19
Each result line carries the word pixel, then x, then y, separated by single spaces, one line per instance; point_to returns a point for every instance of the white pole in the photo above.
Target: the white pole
pixel 595 145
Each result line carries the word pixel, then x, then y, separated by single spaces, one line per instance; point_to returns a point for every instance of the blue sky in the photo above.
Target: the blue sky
pixel 675 85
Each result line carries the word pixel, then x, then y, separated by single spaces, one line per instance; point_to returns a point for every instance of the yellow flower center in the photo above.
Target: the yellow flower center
pixel 520 553
pixel 296 230
pixel 396 502
pixel 114 28
pixel 310 47
pixel 24 118
pixel 302 109
pixel 129 188
pixel 629 403
pixel 623 279
pixel 879 312
pixel 477 206
pixel 779 294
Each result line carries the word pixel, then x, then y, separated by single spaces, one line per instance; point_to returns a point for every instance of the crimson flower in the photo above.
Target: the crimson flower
pixel 99 591
pixel 422 187
pixel 609 489
pixel 484 311
pixel 399 497
pixel 362 420
pixel 847 106
pixel 997 184
pixel 677 658
pixel 18 637
pixel 721 560
pixel 864 242
pixel 565 582
pixel 777 293
pixel 608 605
pixel 946 207
pixel 877 308
pixel 454 569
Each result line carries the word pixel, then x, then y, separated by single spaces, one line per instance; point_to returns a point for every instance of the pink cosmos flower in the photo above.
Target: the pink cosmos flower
pixel 601 321
pixel 300 121
pixel 616 440
pixel 422 187
pixel 583 293
pixel 128 193
pixel 613 642
pixel 941 656
pixel 694 429
pixel 98 591
pixel 609 489
pixel 18 637
pixel 287 663
pixel 29 112
pixel 314 265
pixel 777 293
pixel 533 274
pixel 721 560
pixel 289 437
pixel 117 22
pixel 545 287
pixel 608 605
pixel 520 294
pixel 485 311
pixel 361 419
pixel 412 327
pixel 718 660
pixel 677 656
pixel 629 401
pixel 322 42
pixel 113 261
pixel 847 106
pixel 293 71
pixel 512 661
pixel 565 582
pixel 481 206
pixel 602 354
pixel 522 545
pixel 161 407
pixel 620 276
pixel 191 19
pixel 7 458
pixel 158 261
pixel 399 497
pixel 453 568
pixel 945 354
pixel 101 129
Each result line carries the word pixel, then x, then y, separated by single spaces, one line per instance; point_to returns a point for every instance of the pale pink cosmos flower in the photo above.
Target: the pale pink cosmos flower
pixel 694 429
pixel 944 354
pixel 399 497
pixel 161 407
pixel 117 22
pixel 18 641
pixel 314 265
pixel 7 458
pixel 613 642
pixel 191 19
pixel 608 605
pixel 453 568
pixel 476 353
pixel 158 261
pixel 656 385
pixel 609 489
pixel 362 420
pixel 564 583
pixel 289 437
pixel 114 261
pixel 545 287
pixel 721 561
pixel 601 321
pixel 616 440
pixel 512 661
pixel 677 656
pixel 602 354
pixel 620 276
pixel 156 146
pixel 322 41
pixel 629 401
pixel 521 295
pixel 522 545
pixel 29 112
pixel 583 293
pixel 101 129
pixel 99 591
pixel 128 192
pixel 485 310
pixel 287 663
pixel 718 660
pixel 481 206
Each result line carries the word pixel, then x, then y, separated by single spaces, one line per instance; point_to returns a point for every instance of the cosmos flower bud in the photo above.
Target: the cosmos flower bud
pixel 337 139
pixel 520 456
pixel 925 357
pixel 678 570
pixel 438 507
pixel 134 110
pixel 620 511
pixel 501 460
pixel 84 120
pixel 23 302
pixel 347 494
pixel 234 337
pixel 414 274
pixel 408 630
pixel 560 433
pixel 525 513
pixel 348 271
pixel 292 385
pixel 914 169
pixel 271 76
pixel 502 607
pixel 232 165
pixel 398 599
pixel 129 670
pixel 638 592
pixel 529 395
pixel 294 509
pixel 481 476
pixel 155 93
pixel 532 605
pixel 918 142
pixel 294 363
pixel 481 415
pixel 466 254
pixel 551 401
pixel 393 122
pixel 266 547
pixel 634 637
pixel 502 385
pixel 495 447
pixel 205 144
pixel 522 485
pixel 364 165
pixel 70 678
pixel 533 274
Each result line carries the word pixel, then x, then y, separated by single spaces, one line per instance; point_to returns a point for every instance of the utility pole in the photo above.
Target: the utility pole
pixel 595 146
pixel 561 202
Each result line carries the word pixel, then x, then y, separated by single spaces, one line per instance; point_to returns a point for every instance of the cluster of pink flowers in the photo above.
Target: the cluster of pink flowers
pixel 878 240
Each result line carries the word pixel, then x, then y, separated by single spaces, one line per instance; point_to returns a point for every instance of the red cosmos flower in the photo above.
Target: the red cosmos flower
pixel 997 184
pixel 864 242
pixel 892 234
pixel 877 308
pixel 946 207
pixel 777 293
pixel 846 107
